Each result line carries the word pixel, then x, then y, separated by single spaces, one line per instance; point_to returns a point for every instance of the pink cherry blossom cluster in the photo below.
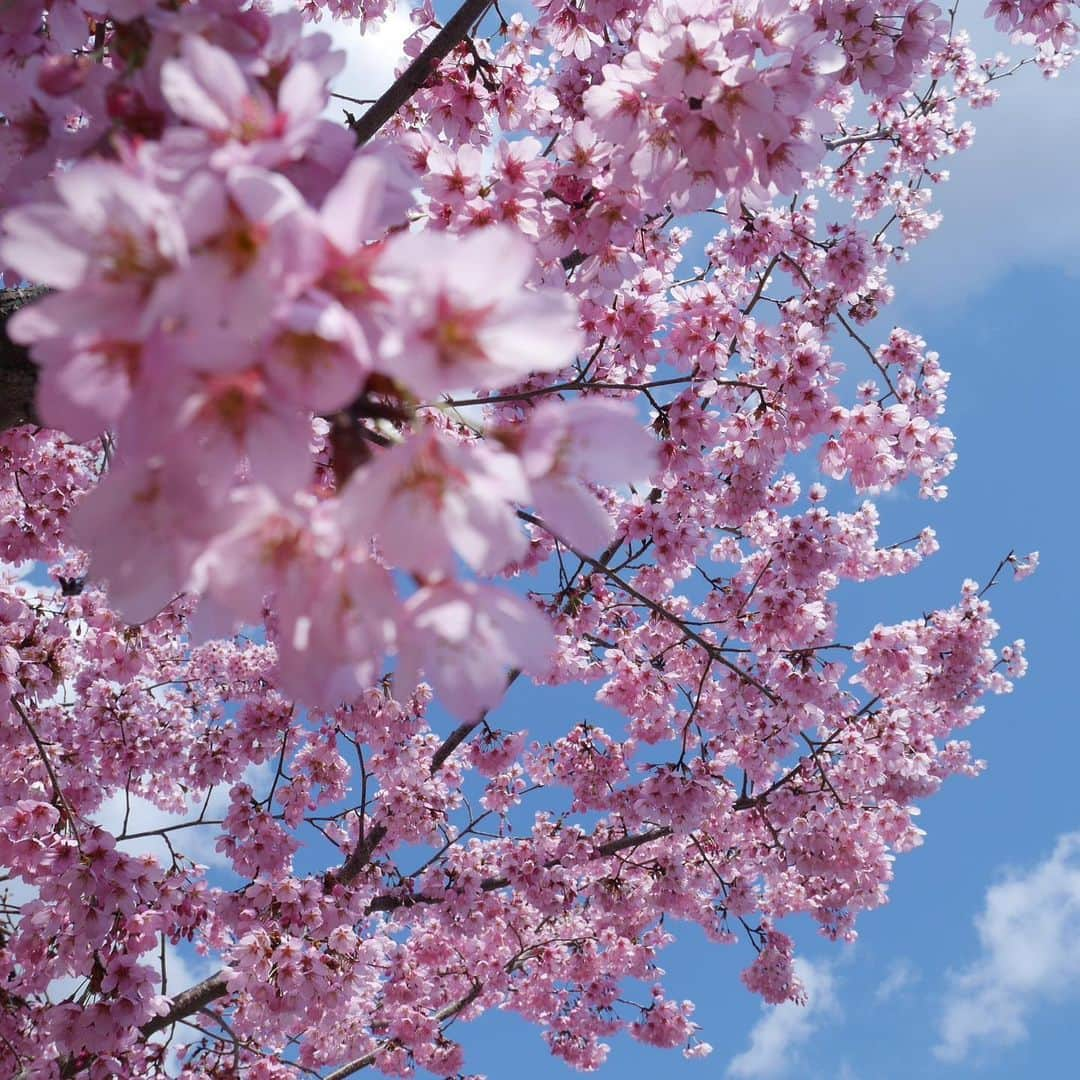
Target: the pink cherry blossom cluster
pixel 41 476
pixel 205 310
pixel 347 426
pixel 1050 25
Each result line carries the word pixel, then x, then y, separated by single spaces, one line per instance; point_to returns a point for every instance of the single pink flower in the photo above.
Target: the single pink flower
pixel 430 498
pixel 465 639
pixel 567 445
pixel 468 319
pixel 334 630
pixel 166 514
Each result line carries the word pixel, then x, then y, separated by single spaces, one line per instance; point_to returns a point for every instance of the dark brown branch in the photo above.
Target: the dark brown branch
pixel 454 740
pixel 420 70
pixel 189 1001
pixel 581 385
pixel 464 730
pixel 574 259
pixel 357 860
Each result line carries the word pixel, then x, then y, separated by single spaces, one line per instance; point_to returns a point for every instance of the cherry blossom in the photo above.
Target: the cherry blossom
pixel 468 322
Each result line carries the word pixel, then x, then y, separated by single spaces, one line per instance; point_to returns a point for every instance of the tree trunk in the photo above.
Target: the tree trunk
pixel 18 375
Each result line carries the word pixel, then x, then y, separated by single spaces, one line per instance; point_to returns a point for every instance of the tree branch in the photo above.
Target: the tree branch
pixel 419 71
pixel 493 884
pixel 189 1001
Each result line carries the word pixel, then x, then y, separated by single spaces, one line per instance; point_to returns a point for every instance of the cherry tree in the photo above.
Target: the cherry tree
pixel 332 419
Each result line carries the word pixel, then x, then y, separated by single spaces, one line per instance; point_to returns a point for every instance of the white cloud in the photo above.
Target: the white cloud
pixel 1009 204
pixel 898 978
pixel 1029 930
pixel 775 1038
pixel 198 842
pixel 144 817
pixel 372 57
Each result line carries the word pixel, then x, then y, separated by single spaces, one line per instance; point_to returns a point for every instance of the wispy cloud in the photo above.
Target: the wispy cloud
pixel 899 977
pixel 782 1029
pixel 372 57
pixel 1007 206
pixel 1029 931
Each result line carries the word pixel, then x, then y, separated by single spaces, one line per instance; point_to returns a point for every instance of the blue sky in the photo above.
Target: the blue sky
pixel 974 967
